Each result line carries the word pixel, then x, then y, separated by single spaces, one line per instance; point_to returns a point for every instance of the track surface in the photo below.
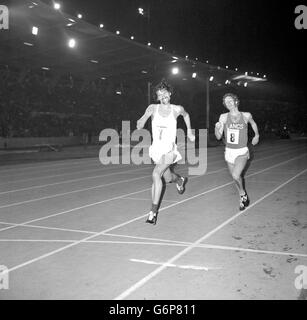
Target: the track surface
pixel 74 229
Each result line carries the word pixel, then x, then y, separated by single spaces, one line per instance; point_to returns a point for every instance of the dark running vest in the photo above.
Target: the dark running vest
pixel 235 133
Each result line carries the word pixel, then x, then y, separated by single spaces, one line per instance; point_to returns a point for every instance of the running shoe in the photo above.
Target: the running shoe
pixel 244 201
pixel 152 218
pixel 180 185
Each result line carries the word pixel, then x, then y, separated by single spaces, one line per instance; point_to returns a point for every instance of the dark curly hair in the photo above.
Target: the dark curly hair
pixel 233 96
pixel 163 85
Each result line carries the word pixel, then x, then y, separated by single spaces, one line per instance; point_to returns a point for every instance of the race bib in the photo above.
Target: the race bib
pixel 233 136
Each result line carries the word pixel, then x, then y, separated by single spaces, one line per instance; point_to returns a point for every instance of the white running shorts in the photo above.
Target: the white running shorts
pixel 171 154
pixel 232 154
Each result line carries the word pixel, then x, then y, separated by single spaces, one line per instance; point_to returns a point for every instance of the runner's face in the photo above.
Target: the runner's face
pixel 230 103
pixel 163 96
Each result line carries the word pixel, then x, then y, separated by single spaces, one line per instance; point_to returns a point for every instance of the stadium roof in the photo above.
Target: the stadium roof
pixel 98 53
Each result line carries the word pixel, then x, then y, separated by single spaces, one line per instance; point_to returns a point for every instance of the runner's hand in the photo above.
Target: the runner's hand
pixel 191 136
pixel 139 124
pixel 219 127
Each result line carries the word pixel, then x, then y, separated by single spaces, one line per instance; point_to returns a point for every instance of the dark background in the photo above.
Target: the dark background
pixel 255 36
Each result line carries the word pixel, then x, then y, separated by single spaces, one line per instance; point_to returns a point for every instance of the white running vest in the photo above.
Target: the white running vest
pixel 164 131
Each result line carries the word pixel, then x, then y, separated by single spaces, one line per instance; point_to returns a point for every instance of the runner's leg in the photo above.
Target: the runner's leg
pixel 239 166
pixel 157 174
pixel 170 176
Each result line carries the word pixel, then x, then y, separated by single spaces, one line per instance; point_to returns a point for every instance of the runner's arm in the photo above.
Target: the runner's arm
pixel 219 127
pixel 186 117
pixel 141 122
pixel 254 127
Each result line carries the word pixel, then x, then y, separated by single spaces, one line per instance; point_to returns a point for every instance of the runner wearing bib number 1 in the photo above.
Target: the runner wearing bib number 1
pixel 163 150
pixel 234 124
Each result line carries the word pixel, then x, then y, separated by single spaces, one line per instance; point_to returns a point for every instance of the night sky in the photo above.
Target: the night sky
pixel 257 35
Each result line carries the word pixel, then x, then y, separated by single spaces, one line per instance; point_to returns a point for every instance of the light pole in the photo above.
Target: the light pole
pixel 148 92
pixel 208 107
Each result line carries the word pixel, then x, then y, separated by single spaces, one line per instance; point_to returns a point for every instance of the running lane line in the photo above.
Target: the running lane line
pixel 104 185
pixel 46 255
pixel 26 223
pixel 140 191
pixel 154 273
pixel 73 180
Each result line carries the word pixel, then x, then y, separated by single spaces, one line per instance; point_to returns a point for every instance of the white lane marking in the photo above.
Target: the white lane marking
pixel 96 187
pixel 70 162
pixel 101 186
pixel 97 242
pixel 154 273
pixel 46 255
pixel 122 196
pixel 76 209
pixel 282 253
pixel 15 225
pixel 36 240
pixel 73 180
pixel 148 199
pixel 171 265
pixel 165 242
pixel 72 192
pixel 100 169
pixel 45 164
pixel 208 246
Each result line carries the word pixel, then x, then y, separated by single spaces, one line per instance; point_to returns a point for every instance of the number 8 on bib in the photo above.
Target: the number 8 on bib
pixel 233 136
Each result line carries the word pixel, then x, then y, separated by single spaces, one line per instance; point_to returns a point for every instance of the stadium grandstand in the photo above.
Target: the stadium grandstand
pixel 64 79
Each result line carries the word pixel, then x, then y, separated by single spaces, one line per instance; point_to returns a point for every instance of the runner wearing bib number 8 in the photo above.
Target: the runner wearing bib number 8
pixel 234 125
